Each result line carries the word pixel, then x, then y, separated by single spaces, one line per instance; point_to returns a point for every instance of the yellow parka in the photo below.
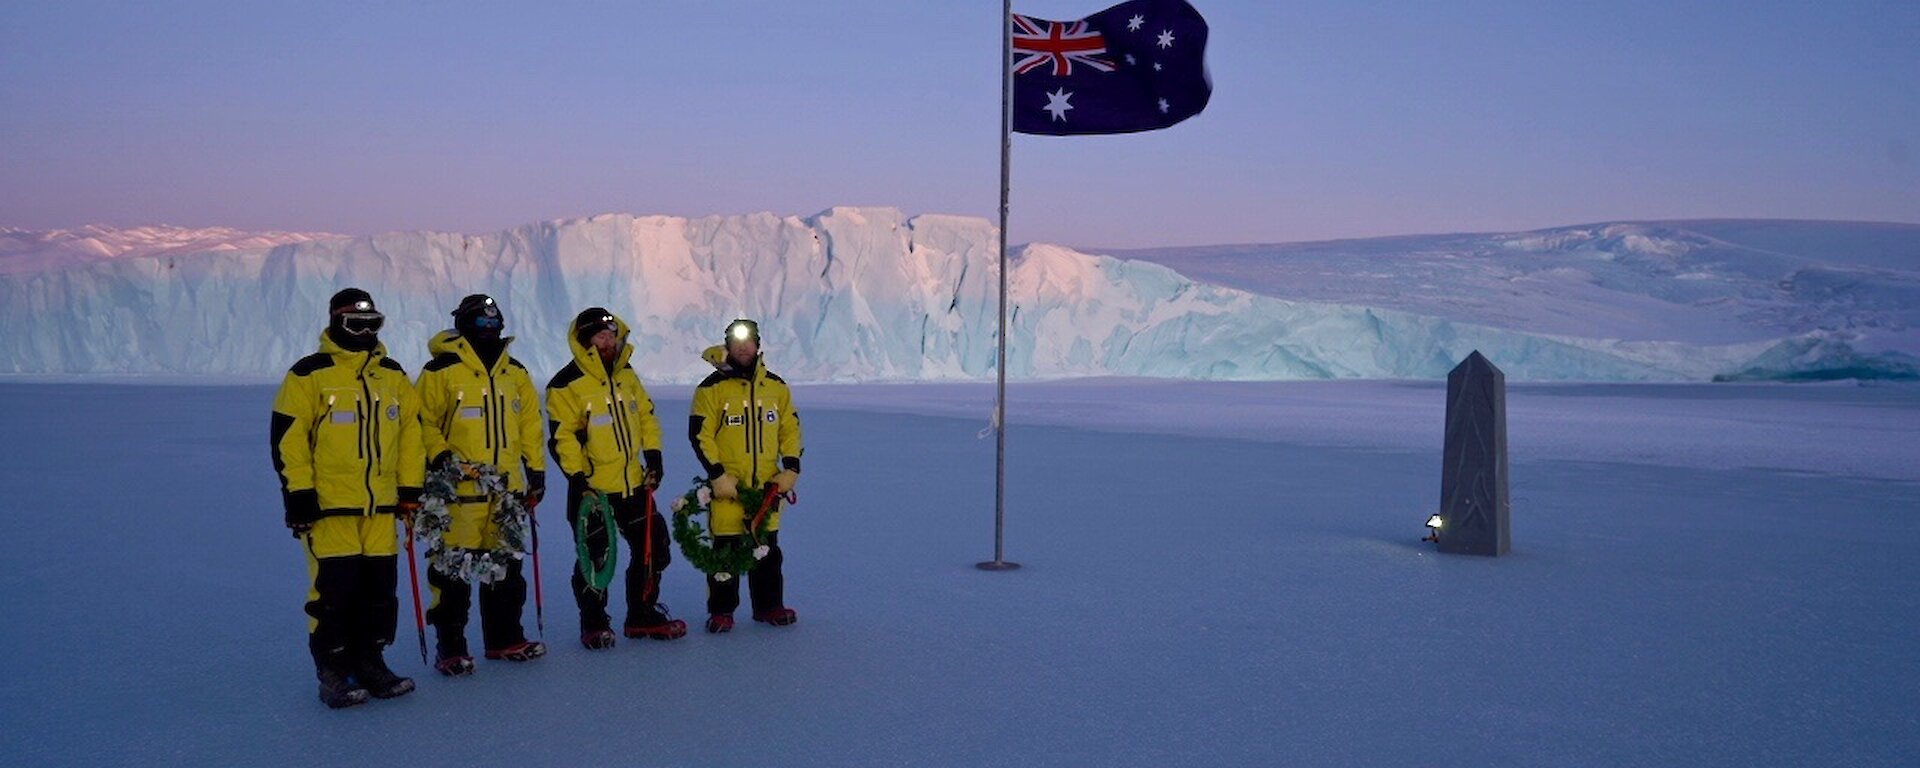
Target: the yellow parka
pixel 601 424
pixel 347 425
pixel 486 415
pixel 743 424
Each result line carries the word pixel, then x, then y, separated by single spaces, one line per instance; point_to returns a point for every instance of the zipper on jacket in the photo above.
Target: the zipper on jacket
pixel 313 435
pixel 453 416
pixel 753 407
pixel 586 434
pixel 619 415
pixel 379 447
pixel 500 413
pixel 486 418
pixel 367 396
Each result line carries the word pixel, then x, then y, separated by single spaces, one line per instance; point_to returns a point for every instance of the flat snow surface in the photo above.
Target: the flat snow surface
pixel 1214 575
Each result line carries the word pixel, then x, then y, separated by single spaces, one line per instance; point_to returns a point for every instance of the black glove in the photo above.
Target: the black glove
pixel 440 461
pixel 408 504
pixel 654 470
pixel 302 508
pixel 536 488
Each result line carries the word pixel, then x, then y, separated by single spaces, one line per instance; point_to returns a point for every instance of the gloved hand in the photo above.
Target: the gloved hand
pixel 409 504
pixel 725 487
pixel 785 480
pixel 654 472
pixel 302 510
pixel 440 460
pixel 536 489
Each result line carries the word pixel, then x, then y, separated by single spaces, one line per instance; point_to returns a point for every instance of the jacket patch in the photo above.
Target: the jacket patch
pixel 735 420
pixel 772 415
pixel 473 412
pixel 343 417
pixel 516 405
pixel 604 418
pixel 393 413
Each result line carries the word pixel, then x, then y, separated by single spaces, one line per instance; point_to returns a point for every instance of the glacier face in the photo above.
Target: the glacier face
pixel 851 294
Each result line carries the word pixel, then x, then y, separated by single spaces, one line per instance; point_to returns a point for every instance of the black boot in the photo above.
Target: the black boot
pixel 337 689
pixel 380 681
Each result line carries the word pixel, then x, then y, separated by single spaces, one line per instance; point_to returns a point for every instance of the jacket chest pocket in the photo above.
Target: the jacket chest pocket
pixel 737 427
pixel 467 422
pixel 603 436
pixel 383 428
pixel 338 436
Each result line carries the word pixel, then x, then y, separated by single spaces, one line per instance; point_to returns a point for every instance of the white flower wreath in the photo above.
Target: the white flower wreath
pixel 507 512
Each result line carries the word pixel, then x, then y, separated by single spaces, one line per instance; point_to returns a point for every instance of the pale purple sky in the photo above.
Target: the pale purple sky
pixel 1329 119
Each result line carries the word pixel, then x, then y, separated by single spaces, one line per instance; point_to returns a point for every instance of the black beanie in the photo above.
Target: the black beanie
pixel 345 299
pixel 589 322
pixel 466 317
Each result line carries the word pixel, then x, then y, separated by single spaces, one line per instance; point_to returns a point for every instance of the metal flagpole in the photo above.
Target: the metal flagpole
pixel 999 562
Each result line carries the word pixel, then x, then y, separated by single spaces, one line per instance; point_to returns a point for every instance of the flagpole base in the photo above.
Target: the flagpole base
pixel 997 565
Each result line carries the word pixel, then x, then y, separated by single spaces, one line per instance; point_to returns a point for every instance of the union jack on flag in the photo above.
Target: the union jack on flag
pixel 1039 42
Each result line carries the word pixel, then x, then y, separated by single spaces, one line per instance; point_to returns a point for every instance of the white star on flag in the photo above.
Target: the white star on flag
pixel 1164 106
pixel 1156 66
pixel 1057 104
pixel 1133 24
pixel 1130 58
pixel 1166 39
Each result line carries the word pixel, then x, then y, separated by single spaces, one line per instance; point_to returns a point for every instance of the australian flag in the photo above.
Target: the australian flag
pixel 1138 66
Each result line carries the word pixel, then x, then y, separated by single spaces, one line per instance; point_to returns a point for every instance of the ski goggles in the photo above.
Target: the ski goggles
pixel 360 318
pixel 362 323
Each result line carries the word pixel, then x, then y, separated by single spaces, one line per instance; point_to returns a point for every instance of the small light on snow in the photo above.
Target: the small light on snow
pixel 1434 522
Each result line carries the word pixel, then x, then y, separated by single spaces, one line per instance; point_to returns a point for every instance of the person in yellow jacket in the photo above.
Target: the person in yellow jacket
pixel 478 405
pixel 744 429
pixel 605 438
pixel 345 440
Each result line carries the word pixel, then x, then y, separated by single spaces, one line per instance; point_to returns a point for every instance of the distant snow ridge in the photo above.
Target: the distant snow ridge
pixel 26 251
pixel 850 294
pixel 1847 294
